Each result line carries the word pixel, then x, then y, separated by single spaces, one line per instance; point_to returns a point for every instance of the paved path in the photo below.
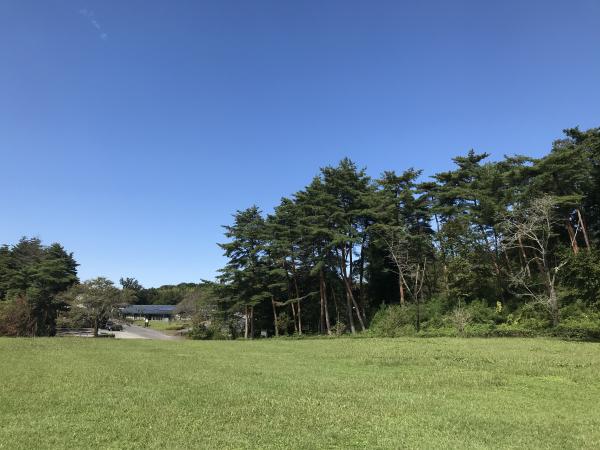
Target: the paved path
pixel 135 332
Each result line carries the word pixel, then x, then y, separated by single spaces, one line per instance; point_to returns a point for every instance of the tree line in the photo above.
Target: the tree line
pixel 40 291
pixel 509 241
pixel 167 294
pixel 507 246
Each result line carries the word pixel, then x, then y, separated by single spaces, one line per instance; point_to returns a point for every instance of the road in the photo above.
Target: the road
pixel 135 332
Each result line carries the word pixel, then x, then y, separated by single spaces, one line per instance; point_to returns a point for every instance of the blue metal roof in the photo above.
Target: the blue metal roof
pixel 149 309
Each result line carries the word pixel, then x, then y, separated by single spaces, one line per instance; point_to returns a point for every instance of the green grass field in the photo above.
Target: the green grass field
pixel 361 393
pixel 170 327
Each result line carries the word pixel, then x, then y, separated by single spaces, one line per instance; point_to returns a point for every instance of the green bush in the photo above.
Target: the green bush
pixel 480 313
pixel 394 321
pixel 15 318
pixel 513 330
pixel 216 330
pixel 338 329
pixel 577 322
pixel 479 330
pixel 436 307
pixel 443 331
pixel 584 326
pixel 200 332
pixel 72 319
pixel 532 315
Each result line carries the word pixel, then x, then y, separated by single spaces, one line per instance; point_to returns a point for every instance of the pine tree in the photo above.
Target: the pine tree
pixel 349 189
pixel 34 275
pixel 245 277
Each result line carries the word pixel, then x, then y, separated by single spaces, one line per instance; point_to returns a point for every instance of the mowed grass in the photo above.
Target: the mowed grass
pixel 341 393
pixel 163 325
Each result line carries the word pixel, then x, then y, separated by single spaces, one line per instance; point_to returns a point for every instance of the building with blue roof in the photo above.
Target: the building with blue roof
pixel 150 312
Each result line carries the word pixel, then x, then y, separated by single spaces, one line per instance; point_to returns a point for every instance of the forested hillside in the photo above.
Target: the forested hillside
pixel 500 245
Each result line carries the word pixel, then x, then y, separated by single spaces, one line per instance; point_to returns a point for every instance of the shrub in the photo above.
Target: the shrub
pixel 338 329
pixel 73 319
pixel 585 326
pixel 16 318
pixel 534 314
pixel 283 323
pixel 512 330
pixel 480 313
pixel 216 330
pixel 580 278
pixel 436 307
pixel 460 318
pixel 393 321
pixel 479 330
pixel 200 332
pixel 578 321
pixel 443 331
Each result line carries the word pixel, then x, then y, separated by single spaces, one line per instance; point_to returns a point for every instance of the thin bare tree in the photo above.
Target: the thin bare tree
pixel 530 230
pixel 410 270
pixel 396 243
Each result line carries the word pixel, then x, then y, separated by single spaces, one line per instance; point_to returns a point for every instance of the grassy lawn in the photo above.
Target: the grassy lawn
pixel 367 393
pixel 162 325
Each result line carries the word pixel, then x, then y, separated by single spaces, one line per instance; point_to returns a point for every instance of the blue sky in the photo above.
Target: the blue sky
pixel 130 131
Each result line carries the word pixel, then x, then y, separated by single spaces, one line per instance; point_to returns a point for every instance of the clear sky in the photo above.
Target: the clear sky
pixel 130 131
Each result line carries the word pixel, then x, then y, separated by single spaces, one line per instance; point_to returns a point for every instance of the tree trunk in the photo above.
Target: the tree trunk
pixel 294 277
pixel 299 319
pixel 342 261
pixel 46 330
pixel 275 316
pixel 572 236
pixel 554 306
pixel 350 300
pixel 350 318
pixel 401 284
pixel 349 280
pixel 294 316
pixel 418 324
pixel 361 291
pixel 583 229
pixel 246 322
pixel 96 326
pixel 446 282
pixel 524 256
pixel 252 322
pixel 324 300
pixel 552 297
pixel 356 306
pixel 289 290
pixel 443 251
pixel 419 293
pixel 335 304
pixel 324 311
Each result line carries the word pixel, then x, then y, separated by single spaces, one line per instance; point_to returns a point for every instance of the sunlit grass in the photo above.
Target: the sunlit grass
pixel 367 393
pixel 163 325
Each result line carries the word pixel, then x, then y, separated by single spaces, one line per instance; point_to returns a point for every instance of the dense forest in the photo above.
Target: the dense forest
pixel 507 247
pixel 504 247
